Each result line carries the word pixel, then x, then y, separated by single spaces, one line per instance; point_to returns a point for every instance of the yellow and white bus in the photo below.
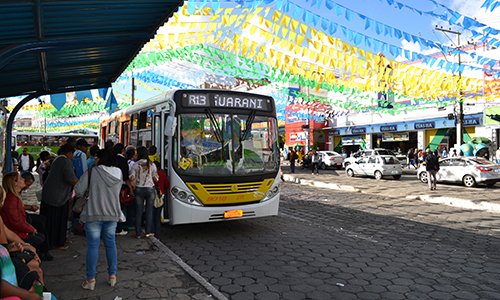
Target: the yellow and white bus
pixel 219 148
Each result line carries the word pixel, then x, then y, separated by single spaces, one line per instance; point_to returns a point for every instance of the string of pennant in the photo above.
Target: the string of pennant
pixel 490 5
pixel 289 44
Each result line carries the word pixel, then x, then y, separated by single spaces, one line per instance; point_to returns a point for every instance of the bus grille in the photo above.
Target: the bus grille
pixel 232 193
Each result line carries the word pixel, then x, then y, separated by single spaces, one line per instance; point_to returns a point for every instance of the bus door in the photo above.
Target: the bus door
pixel 125 133
pixel 156 132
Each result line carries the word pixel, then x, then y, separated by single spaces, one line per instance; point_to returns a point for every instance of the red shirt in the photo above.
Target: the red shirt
pixel 14 216
pixel 162 182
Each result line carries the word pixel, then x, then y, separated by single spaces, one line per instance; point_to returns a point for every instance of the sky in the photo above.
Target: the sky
pixel 379 10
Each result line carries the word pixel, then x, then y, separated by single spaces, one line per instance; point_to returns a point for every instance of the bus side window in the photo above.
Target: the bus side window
pixel 143 118
pixel 134 122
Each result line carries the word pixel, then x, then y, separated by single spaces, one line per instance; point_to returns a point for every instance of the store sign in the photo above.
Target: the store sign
pixel 352 140
pixel 425 125
pixel 386 128
pixel 358 130
pixel 472 122
pixel 395 137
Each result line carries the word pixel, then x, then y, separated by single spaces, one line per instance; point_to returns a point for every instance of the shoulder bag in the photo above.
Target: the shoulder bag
pixel 80 202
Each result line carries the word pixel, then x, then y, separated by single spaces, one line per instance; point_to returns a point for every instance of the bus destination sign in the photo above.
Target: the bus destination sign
pixel 226 100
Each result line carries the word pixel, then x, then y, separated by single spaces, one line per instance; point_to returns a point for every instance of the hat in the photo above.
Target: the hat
pixel 82 142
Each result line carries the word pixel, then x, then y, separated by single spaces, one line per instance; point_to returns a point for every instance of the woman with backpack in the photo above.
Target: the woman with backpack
pixel 143 175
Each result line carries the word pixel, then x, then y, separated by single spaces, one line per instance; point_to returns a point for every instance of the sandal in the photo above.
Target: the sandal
pixel 112 280
pixel 89 284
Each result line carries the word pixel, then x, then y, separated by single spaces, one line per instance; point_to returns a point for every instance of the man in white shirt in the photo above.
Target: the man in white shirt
pixel 26 162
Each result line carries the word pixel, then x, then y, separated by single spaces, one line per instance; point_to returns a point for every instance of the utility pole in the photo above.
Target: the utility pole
pixel 308 122
pixel 459 104
pixel 132 101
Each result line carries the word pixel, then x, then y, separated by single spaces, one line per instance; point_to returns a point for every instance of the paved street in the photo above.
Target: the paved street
pixel 341 245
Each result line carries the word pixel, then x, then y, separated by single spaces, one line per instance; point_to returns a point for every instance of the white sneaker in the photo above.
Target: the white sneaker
pixel 123 232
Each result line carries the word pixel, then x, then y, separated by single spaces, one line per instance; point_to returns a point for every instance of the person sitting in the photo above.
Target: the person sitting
pixel 14 215
pixel 9 285
pixel 21 254
pixel 38 221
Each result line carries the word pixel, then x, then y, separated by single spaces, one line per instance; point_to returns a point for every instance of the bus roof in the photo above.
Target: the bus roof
pixel 89 134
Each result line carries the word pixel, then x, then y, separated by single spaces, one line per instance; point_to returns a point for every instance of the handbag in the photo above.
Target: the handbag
pixel 158 200
pixel 126 196
pixel 80 202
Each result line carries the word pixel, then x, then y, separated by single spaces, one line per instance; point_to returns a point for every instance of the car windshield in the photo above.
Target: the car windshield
pixel 226 144
pixel 389 160
pixel 481 161
pixel 384 152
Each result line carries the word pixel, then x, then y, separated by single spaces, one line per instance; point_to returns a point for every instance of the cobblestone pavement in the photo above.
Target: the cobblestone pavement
pixel 408 185
pixel 337 245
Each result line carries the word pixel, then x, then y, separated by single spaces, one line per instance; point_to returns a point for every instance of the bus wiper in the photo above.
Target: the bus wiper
pixel 248 126
pixel 218 130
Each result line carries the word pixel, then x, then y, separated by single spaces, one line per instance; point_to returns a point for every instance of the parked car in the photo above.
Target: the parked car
pixel 330 159
pixel 376 166
pixel 468 170
pixel 366 153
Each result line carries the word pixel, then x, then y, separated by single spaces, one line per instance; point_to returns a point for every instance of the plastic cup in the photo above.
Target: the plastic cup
pixel 38 289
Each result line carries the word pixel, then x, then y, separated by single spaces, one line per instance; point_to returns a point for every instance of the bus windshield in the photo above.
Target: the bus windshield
pixel 226 144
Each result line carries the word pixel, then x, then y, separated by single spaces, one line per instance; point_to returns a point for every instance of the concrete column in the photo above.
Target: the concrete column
pixel 421 139
pixel 368 140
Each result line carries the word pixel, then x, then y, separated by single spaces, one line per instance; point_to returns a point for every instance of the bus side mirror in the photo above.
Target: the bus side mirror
pixel 170 126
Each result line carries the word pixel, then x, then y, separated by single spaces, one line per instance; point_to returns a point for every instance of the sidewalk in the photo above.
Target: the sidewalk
pixel 408 187
pixel 145 271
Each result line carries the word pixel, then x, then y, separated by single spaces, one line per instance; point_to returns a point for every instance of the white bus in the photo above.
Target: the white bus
pixel 219 148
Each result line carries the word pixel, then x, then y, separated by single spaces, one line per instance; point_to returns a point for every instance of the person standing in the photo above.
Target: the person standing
pixel 143 176
pixel 56 193
pixel 153 154
pixel 92 152
pixel 122 164
pixel 497 155
pixel 432 167
pixel 161 186
pixel 26 162
pixel 293 158
pixel 101 214
pixel 315 160
pixel 80 157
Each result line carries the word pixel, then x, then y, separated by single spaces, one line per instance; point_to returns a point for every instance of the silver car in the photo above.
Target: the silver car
pixel 376 166
pixel 468 170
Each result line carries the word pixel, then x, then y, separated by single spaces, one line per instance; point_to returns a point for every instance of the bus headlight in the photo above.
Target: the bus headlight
pixel 184 196
pixel 272 192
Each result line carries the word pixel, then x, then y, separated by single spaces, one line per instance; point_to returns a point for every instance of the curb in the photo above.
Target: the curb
pixel 463 203
pixel 450 201
pixel 202 281
pixel 321 184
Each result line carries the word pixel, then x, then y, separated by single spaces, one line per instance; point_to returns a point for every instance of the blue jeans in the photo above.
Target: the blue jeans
pixel 94 231
pixel 144 194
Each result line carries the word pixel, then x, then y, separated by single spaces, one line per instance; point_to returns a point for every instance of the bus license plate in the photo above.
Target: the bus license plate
pixel 233 213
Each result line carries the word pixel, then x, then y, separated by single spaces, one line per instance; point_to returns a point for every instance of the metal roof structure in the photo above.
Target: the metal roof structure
pixel 54 46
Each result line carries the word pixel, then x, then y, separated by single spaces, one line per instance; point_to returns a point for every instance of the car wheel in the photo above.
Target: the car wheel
pixel 423 177
pixel 323 166
pixel 396 176
pixel 378 175
pixel 350 172
pixel 469 181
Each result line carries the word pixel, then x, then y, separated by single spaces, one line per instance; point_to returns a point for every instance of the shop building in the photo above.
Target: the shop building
pixel 430 128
